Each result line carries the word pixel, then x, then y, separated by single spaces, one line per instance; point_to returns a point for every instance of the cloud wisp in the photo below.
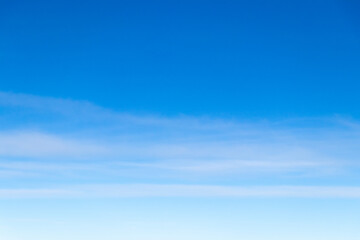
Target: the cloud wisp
pixel 180 190
pixel 101 142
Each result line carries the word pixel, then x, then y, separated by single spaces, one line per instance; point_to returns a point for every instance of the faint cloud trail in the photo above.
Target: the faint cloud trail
pixel 98 142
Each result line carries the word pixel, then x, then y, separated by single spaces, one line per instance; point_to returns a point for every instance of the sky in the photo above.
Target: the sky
pixel 179 120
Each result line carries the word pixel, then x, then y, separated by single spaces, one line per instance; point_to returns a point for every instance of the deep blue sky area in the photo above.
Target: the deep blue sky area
pixel 234 58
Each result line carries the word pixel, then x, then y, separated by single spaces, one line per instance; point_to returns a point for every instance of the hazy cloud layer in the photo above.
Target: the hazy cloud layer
pixel 78 140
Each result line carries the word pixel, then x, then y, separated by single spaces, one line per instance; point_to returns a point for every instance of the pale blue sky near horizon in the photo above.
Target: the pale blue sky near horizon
pixel 179 120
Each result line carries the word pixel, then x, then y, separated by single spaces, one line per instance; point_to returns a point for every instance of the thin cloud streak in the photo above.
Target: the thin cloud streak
pixel 193 157
pixel 35 144
pixel 166 190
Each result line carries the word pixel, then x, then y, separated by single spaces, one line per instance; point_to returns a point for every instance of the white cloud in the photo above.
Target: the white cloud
pixel 162 190
pixel 183 144
pixel 202 157
pixel 35 144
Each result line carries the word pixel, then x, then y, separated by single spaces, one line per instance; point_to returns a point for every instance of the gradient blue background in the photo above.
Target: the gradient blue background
pixel 242 60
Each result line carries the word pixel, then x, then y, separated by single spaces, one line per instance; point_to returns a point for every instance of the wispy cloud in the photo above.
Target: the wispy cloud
pixel 49 104
pixel 163 190
pixel 95 139
pixel 36 144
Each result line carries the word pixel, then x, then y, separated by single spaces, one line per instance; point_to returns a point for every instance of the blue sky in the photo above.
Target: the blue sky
pixel 236 58
pixel 179 120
